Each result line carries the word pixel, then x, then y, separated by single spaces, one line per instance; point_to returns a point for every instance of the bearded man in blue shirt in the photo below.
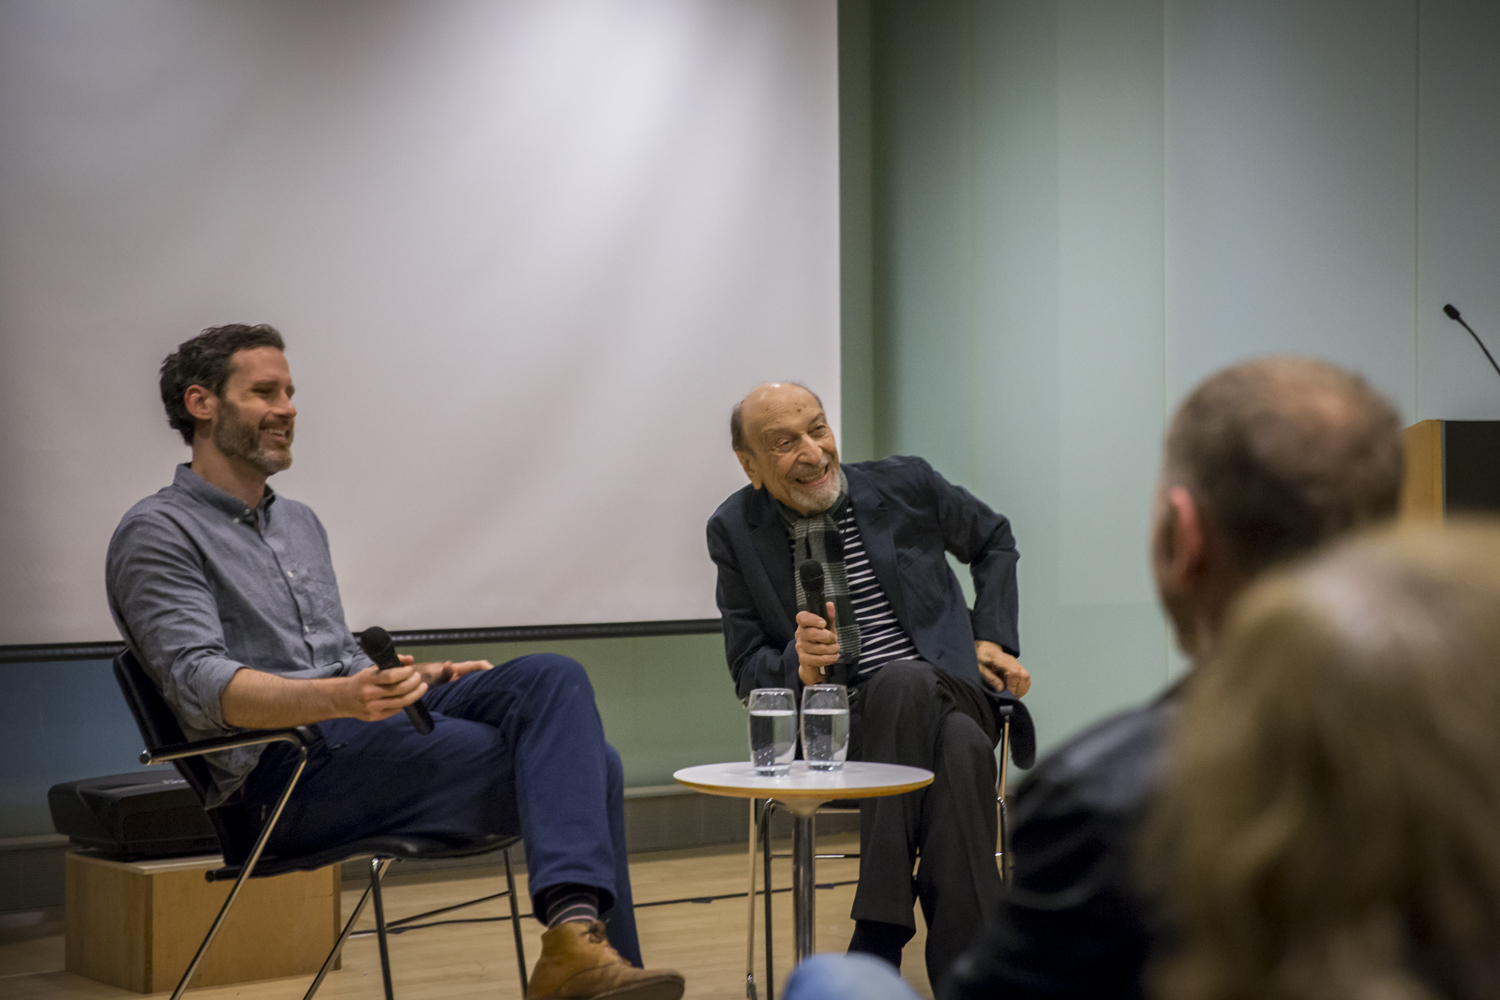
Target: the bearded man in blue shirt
pixel 226 594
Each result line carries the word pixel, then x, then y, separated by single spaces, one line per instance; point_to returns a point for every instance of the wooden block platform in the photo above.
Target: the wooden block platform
pixel 137 924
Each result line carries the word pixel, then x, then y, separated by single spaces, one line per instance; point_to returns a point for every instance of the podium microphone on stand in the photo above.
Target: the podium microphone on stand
pixel 1452 313
pixel 377 644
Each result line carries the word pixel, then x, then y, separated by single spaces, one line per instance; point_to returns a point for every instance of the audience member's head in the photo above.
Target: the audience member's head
pixel 1265 460
pixel 781 436
pixel 1331 821
pixel 207 360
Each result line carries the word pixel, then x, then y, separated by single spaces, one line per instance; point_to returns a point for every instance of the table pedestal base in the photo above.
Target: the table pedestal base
pixel 804 882
pixel 800 792
pixel 804 896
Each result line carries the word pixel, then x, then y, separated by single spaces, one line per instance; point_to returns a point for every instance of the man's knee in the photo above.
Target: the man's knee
pixel 960 730
pixel 554 672
pixel 900 680
pixel 963 741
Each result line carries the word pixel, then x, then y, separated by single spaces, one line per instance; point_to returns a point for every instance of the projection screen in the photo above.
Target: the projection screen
pixel 526 255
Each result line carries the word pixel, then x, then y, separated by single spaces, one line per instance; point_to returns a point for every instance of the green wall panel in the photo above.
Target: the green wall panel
pixel 1017 234
pixel 1077 209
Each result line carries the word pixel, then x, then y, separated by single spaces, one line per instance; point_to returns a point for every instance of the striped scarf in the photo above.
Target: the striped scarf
pixel 817 537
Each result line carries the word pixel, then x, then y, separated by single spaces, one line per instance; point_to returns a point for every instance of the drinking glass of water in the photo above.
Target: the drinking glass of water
pixel 773 730
pixel 825 726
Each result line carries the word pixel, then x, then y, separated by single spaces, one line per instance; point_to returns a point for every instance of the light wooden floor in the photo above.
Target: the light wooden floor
pixel 704 941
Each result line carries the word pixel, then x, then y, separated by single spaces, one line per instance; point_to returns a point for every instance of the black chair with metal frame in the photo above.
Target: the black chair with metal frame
pixel 1018 744
pixel 244 846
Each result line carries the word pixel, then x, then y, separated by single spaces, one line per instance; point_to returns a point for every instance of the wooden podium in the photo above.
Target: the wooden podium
pixel 1452 467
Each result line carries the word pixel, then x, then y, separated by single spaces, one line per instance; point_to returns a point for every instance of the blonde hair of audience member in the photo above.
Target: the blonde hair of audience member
pixel 1331 824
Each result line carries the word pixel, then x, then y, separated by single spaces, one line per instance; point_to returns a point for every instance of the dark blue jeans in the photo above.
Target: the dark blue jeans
pixel 514 750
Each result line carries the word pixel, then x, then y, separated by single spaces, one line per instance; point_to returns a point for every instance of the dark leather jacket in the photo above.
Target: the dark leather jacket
pixel 1074 924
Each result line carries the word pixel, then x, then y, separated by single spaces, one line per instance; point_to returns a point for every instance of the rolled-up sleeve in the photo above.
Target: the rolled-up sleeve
pixel 160 596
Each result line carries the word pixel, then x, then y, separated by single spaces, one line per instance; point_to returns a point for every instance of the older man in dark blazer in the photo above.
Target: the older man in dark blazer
pixel 897 630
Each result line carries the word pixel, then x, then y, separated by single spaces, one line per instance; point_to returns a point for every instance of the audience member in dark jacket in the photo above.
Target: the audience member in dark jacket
pixel 1265 461
pixel 1328 824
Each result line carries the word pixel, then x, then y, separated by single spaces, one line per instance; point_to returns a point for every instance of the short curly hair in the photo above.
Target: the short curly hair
pixel 208 360
pixel 1285 453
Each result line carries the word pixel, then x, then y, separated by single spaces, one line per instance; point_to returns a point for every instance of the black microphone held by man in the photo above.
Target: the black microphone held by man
pixel 377 644
pixel 811 572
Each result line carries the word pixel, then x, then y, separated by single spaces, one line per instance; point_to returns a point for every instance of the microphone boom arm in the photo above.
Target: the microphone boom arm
pixel 1452 313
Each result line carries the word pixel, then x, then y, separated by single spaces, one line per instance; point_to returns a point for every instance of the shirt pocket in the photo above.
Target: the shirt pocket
pixel 322 590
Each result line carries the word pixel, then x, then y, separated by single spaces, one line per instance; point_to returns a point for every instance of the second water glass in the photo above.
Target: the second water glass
pixel 825 726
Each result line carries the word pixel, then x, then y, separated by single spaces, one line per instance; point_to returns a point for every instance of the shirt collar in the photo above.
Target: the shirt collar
pixel 203 491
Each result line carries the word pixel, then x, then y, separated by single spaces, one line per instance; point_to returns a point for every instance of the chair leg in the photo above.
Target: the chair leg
pixel 377 868
pixel 239 883
pixel 765 842
pixel 338 946
pixel 1007 869
pixel 1004 852
pixel 515 921
pixel 750 915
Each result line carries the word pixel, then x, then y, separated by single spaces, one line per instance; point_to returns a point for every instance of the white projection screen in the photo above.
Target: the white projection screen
pixel 525 254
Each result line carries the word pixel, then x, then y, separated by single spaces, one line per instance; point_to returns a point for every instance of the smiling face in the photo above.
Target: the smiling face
pixel 789 447
pixel 253 420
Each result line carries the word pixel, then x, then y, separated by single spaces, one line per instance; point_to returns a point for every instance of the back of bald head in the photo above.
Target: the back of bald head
pixel 1285 453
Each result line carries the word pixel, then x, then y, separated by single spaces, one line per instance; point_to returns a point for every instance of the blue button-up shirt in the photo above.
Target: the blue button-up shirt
pixel 202 586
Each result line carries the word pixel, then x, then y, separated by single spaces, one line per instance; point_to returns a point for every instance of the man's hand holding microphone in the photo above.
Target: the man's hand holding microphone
pixel 396 681
pixel 817 644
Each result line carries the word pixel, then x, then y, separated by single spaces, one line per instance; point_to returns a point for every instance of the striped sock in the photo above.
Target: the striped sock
pixel 570 902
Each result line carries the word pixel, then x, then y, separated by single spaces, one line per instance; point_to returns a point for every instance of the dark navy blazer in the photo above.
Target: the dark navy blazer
pixel 908 517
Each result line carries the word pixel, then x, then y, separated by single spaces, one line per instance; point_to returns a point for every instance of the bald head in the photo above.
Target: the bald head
pixel 781 436
pixel 763 398
pixel 1285 453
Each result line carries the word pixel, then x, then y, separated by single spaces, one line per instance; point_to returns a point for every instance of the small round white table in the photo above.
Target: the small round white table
pixel 801 793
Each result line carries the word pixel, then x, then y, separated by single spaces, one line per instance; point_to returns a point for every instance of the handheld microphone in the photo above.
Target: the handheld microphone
pixel 377 644
pixel 811 572
pixel 1452 313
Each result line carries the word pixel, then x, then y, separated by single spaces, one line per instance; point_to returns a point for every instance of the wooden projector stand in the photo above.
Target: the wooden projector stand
pixel 136 924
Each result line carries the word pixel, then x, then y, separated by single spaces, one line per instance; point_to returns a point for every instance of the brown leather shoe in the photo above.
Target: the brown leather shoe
pixel 577 963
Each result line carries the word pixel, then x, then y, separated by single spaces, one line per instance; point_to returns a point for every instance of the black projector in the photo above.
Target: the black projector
pixel 146 814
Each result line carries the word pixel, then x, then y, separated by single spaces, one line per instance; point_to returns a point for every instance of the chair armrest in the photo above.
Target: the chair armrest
pixel 251 737
pixel 1010 710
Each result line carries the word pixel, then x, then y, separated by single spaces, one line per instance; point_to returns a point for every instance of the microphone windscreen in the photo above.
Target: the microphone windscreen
pixel 375 641
pixel 1450 312
pixel 811 572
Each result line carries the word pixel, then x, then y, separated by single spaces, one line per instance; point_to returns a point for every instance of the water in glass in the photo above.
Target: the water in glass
pixel 825 726
pixel 773 730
